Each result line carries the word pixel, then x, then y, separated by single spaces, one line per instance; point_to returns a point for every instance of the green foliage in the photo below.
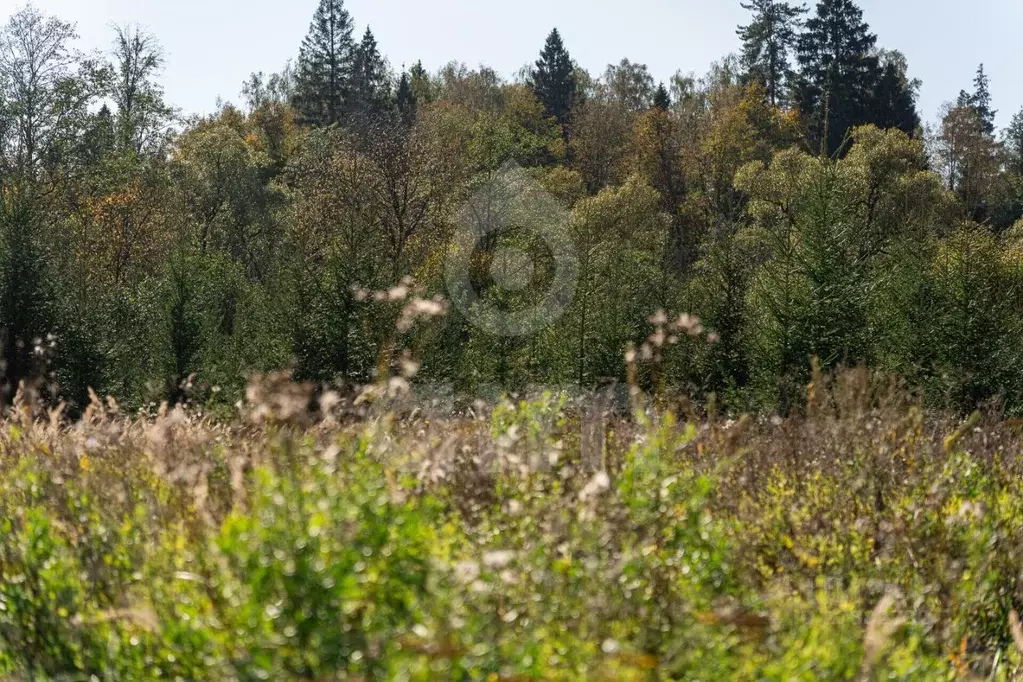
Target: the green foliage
pixel 881 547
pixel 553 79
pixel 369 91
pixel 167 267
pixel 325 65
pixel 842 83
pixel 314 535
pixel 767 43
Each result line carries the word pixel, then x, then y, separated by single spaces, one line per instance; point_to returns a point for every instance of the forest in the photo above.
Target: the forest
pixel 389 374
pixel 790 200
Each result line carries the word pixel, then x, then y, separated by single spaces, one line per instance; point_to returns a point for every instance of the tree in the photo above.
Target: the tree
pixel 369 91
pixel 338 250
pixel 839 74
pixel 836 233
pixel 893 101
pixel 277 88
pixel 980 101
pixel 405 99
pixel 422 86
pixel 325 65
pixel 553 79
pixel 221 179
pixel 142 116
pixel 630 84
pixel 1012 141
pixel 123 238
pixel 28 300
pixel 968 340
pixel 767 42
pixel 967 158
pixel 662 100
pixel 100 137
pixel 619 235
pixel 658 158
pixel 410 182
pixel 600 140
pixel 37 77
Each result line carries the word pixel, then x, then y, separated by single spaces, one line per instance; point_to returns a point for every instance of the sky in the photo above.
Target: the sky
pixel 213 45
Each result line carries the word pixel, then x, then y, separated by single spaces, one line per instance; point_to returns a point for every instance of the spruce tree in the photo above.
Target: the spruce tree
pixel 28 297
pixel 325 65
pixel 980 101
pixel 405 99
pixel 845 82
pixel 767 42
pixel 369 91
pixel 100 136
pixel 553 79
pixel 662 100
pixel 1013 143
pixel 419 81
pixel 893 103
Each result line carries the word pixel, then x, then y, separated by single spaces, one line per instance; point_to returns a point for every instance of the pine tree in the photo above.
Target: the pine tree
pixel 767 42
pixel 553 79
pixel 325 65
pixel 662 100
pixel 369 91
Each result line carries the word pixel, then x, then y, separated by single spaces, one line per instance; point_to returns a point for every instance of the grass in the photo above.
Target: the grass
pixel 862 539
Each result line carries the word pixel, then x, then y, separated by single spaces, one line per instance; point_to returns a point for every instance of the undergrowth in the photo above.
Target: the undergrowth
pixel 861 539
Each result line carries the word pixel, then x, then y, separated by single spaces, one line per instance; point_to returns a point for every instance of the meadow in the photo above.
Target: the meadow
pixel 317 537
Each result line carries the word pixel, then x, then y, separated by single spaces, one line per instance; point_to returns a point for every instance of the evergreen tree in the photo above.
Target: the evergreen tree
pixel 406 100
pixel 553 79
pixel 325 65
pixel 980 101
pixel 837 71
pixel 28 299
pixel 662 100
pixel 845 82
pixel 100 137
pixel 1013 143
pixel 893 104
pixel 369 91
pixel 767 42
pixel 419 81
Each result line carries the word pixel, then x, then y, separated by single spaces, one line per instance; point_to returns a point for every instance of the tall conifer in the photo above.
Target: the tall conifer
pixel 767 42
pixel 553 79
pixel 325 65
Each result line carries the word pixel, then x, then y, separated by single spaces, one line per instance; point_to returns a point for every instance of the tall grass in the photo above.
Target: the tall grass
pixel 315 537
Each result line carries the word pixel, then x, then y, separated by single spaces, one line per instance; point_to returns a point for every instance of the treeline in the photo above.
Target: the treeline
pixel 790 199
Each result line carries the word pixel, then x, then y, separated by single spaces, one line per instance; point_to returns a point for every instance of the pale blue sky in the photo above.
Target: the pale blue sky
pixel 212 45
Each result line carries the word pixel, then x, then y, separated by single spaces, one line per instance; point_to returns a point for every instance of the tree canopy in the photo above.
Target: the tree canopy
pixel 789 198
